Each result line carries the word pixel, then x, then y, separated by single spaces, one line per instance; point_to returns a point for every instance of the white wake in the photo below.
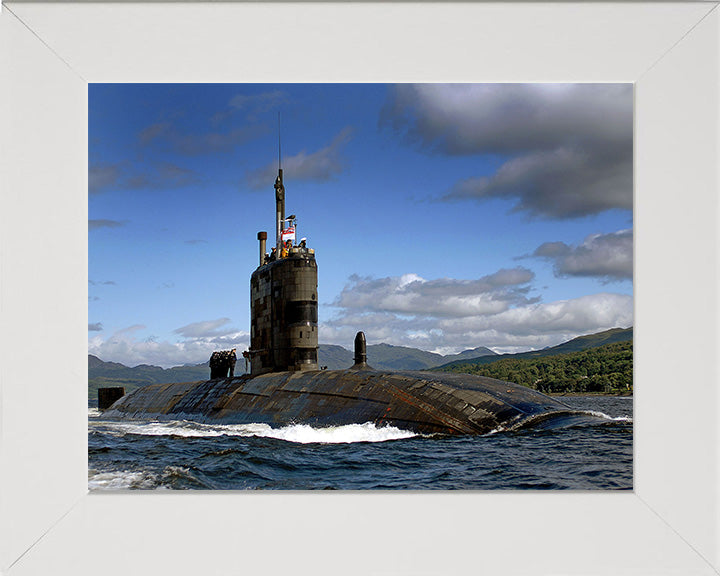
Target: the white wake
pixel 299 433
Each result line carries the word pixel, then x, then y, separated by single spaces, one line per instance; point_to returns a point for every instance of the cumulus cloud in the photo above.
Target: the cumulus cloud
pixel 605 256
pixel 450 315
pixel 321 165
pixel 586 313
pixel 411 294
pixel 568 148
pixel 96 327
pixel 103 223
pixel 194 347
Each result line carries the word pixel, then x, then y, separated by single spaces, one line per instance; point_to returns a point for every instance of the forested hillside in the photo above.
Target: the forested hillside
pixel 607 368
pixel 576 344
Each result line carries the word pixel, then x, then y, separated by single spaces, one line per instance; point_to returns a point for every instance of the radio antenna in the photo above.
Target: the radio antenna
pixel 279 197
pixel 279 145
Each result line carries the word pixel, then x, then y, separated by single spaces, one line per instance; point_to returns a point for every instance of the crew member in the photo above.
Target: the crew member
pixel 231 362
pixel 215 365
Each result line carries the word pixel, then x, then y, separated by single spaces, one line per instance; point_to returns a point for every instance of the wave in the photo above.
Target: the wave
pixel 141 479
pixel 298 433
pixel 557 420
pixel 122 480
pixel 606 417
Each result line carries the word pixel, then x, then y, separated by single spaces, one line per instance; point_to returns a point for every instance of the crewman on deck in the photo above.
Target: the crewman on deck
pixel 215 361
pixel 232 358
pixel 222 364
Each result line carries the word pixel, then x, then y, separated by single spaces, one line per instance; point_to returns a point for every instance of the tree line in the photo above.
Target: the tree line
pixel 606 369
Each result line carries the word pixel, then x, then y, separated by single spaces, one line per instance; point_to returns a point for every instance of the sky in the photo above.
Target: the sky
pixel 443 217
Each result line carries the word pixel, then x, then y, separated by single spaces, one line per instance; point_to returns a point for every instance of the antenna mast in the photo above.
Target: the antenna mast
pixel 279 145
pixel 279 199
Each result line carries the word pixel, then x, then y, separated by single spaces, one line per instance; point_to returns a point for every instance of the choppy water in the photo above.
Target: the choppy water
pixel 188 455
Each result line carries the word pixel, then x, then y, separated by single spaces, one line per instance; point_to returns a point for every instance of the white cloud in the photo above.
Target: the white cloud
pixel 200 340
pixel 606 256
pixel 578 315
pixel 450 315
pixel 413 295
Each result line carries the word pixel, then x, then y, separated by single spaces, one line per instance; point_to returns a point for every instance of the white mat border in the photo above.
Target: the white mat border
pixel 49 51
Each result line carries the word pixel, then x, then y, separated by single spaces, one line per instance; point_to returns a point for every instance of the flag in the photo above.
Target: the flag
pixel 288 234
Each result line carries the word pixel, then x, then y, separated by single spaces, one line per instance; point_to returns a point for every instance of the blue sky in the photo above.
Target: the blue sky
pixel 443 217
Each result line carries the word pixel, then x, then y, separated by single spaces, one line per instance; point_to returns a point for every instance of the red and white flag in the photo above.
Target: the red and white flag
pixel 288 234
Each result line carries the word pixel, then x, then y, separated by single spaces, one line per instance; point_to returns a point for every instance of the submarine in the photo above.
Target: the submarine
pixel 285 385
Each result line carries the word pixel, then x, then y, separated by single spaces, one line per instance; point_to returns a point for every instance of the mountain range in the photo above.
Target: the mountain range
pixel 380 356
pixel 387 357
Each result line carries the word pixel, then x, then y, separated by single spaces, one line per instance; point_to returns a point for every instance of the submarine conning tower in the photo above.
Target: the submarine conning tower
pixel 283 300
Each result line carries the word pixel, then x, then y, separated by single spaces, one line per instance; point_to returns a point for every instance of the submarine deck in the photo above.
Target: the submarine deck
pixel 424 402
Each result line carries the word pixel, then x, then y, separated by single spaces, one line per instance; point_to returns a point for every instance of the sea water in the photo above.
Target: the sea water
pixel 190 455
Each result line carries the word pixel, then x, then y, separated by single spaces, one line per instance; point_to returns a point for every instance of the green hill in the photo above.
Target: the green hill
pixel 334 357
pixel 607 368
pixel 574 345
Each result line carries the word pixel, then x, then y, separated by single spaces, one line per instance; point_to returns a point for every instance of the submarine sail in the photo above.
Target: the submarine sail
pixel 283 300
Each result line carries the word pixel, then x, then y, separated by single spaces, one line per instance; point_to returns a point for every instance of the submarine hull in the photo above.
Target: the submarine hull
pixel 417 401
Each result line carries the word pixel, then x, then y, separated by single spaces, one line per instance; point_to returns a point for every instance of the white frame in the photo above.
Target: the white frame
pixel 48 521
